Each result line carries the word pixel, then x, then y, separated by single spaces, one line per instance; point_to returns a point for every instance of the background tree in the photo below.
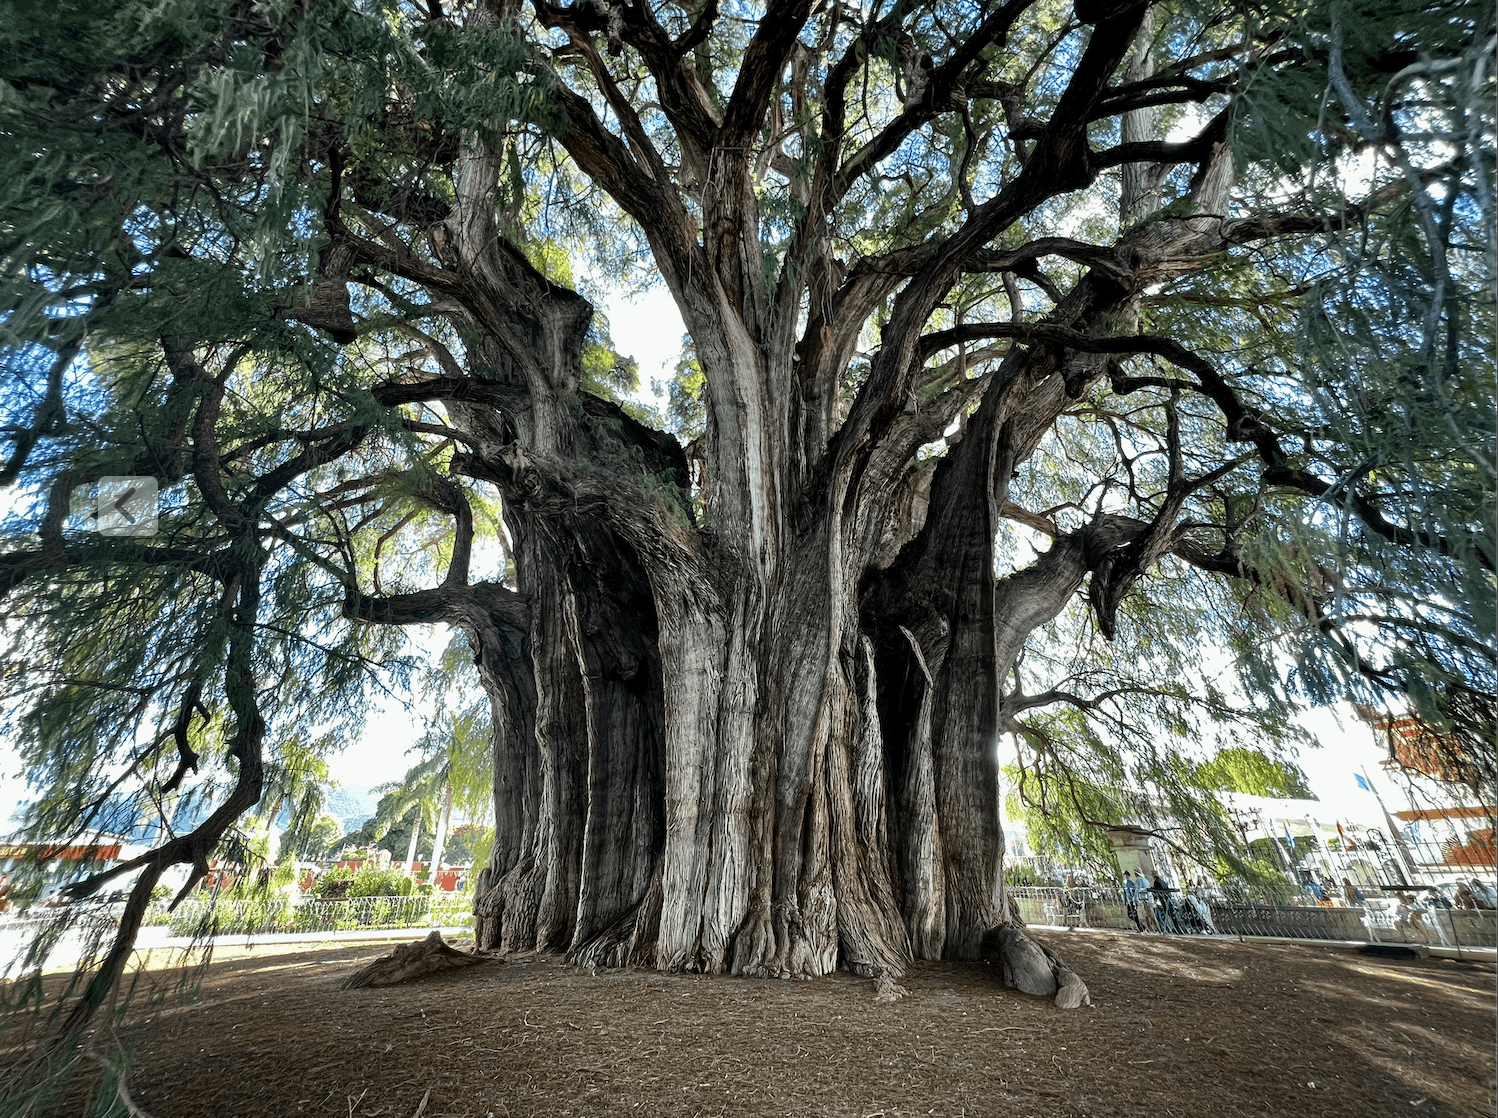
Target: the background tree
pixel 469 844
pixel 1069 789
pixel 455 769
pixel 988 303
pixel 459 737
pixel 404 807
pixel 323 839
pixel 296 797
pixel 1249 771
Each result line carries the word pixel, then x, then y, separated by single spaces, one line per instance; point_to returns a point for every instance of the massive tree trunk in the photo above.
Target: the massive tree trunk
pixel 757 732
pixel 705 760
pixel 744 718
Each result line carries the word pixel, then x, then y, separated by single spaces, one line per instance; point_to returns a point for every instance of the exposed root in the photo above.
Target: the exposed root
pixel 1033 968
pixel 887 989
pixel 412 960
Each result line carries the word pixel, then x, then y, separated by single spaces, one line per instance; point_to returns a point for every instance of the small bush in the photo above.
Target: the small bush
pixel 371 882
pixel 335 884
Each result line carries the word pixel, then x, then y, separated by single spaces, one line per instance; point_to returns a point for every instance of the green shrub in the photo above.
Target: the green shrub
pixel 335 884
pixel 309 917
pixel 371 882
pixel 452 910
pixel 1021 876
pixel 194 918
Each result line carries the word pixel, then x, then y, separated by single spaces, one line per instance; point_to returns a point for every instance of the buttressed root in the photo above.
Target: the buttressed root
pixel 1033 968
pixel 412 960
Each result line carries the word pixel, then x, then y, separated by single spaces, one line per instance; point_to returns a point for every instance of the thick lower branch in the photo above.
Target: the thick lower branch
pixel 452 604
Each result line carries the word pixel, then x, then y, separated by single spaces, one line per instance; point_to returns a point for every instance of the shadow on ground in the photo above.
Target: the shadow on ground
pixel 1178 1028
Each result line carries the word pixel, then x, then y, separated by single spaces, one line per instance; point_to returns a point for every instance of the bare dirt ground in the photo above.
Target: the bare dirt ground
pixel 1179 1027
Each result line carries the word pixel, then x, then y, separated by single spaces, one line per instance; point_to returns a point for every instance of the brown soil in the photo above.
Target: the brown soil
pixel 1179 1027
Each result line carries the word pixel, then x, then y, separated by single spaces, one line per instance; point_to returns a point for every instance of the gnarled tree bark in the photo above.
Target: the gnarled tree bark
pixel 759 735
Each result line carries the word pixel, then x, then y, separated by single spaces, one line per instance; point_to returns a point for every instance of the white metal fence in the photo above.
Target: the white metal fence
pixel 241 916
pixel 1174 913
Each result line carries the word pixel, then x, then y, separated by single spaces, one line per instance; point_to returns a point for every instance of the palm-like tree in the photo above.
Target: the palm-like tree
pixel 419 791
pixel 456 765
pixel 297 783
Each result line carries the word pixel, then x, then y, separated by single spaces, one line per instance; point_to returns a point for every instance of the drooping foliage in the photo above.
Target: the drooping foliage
pixel 1389 364
pixel 985 304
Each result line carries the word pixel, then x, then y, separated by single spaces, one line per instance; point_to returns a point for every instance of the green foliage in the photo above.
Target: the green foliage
pixel 1369 348
pixel 1258 877
pixel 391 826
pixel 1247 770
pixel 165 172
pixel 1388 366
pixel 1065 823
pixel 607 374
pixel 1129 764
pixel 1021 876
pixel 459 731
pixel 686 409
pixel 469 845
pixel 207 916
pixel 283 876
pixel 455 754
pixel 371 881
pixel 179 180
pixel 334 883
pixel 323 838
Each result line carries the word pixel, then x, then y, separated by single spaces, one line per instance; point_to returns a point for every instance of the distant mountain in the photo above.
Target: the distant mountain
pixel 351 805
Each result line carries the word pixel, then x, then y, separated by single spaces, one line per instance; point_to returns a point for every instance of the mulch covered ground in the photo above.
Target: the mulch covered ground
pixel 1178 1027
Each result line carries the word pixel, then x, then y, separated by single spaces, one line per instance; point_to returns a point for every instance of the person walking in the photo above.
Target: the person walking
pixel 1410 917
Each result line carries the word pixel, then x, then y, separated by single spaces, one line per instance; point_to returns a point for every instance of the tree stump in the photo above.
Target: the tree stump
pixel 412 960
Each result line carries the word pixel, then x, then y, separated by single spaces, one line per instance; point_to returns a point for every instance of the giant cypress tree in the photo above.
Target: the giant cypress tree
pixel 982 310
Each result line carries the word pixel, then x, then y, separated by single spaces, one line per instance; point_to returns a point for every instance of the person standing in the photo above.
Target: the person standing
pixel 1165 909
pixel 1131 899
pixel 1352 894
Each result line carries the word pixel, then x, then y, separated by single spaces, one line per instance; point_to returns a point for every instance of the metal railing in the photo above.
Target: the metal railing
pixel 63 935
pixel 1373 921
pixel 251 916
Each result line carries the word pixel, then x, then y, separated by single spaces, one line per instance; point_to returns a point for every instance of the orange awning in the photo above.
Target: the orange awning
pixel 1448 813
pixel 43 853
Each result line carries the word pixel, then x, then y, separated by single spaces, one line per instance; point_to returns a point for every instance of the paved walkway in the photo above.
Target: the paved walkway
pixel 16 936
pixel 1440 951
